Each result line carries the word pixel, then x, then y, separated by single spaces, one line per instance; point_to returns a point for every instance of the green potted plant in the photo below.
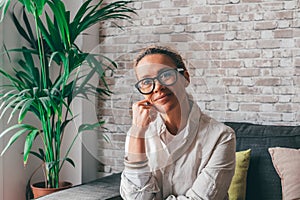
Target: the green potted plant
pixel 32 88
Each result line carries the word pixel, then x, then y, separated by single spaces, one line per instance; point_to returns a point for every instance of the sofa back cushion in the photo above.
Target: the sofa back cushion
pixel 262 181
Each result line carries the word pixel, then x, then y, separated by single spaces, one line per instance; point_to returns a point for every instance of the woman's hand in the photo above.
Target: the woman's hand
pixel 143 113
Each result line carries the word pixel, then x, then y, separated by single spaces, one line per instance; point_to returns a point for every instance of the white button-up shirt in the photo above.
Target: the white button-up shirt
pixel 197 163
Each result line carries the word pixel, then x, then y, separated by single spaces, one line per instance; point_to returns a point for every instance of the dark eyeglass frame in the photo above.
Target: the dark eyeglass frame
pixel 177 70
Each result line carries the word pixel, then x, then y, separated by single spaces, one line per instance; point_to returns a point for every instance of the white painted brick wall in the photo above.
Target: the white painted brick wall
pixel 243 57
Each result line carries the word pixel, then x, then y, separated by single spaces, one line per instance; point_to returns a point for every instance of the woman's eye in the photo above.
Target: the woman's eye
pixel 147 82
pixel 166 75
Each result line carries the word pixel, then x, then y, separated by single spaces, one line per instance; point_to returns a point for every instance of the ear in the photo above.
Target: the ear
pixel 187 78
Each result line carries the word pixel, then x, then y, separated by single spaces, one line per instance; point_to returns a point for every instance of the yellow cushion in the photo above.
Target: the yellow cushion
pixel 237 189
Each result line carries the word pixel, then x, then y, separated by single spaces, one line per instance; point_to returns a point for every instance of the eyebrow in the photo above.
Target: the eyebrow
pixel 159 71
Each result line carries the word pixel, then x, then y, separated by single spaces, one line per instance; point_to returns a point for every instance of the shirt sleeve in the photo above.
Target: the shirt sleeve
pixel 137 177
pixel 138 184
pixel 213 182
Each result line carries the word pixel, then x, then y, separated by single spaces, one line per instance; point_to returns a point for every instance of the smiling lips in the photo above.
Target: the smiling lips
pixel 162 97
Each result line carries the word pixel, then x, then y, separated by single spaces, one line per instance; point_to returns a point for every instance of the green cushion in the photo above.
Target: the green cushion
pixel 237 189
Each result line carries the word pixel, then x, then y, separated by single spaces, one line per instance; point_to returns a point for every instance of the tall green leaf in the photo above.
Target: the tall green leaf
pixel 3 6
pixel 28 144
pixel 22 128
pixel 34 6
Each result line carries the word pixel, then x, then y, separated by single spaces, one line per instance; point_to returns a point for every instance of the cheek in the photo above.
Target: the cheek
pixel 179 91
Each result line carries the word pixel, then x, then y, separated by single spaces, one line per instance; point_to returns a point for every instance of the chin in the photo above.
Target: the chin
pixel 164 108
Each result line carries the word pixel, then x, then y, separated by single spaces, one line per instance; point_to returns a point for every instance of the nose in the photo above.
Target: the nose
pixel 158 86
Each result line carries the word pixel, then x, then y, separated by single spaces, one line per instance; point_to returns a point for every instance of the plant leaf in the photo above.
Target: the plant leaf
pixel 23 129
pixel 88 127
pixel 16 108
pixel 28 144
pixel 4 6
pixel 40 156
pixel 69 160
pixel 24 109
pixel 13 139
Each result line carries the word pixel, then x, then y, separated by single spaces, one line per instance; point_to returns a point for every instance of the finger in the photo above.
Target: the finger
pixel 140 106
pixel 144 102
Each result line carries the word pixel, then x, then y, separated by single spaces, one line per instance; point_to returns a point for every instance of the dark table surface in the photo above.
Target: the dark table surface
pixel 105 188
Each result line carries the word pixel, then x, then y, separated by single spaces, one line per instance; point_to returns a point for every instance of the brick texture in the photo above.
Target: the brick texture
pixel 243 57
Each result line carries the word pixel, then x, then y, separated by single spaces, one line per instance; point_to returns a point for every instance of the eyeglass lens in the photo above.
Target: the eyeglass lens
pixel 166 78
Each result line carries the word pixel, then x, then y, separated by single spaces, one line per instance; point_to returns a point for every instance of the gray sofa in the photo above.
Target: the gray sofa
pixel 263 183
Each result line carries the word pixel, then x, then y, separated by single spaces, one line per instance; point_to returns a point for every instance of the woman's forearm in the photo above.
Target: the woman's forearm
pixel 136 150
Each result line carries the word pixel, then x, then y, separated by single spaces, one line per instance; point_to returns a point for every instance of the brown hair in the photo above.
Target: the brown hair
pixel 174 55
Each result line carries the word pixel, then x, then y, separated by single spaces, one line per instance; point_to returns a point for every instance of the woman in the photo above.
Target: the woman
pixel 173 150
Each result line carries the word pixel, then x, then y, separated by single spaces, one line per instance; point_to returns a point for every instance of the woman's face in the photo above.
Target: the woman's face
pixel 163 98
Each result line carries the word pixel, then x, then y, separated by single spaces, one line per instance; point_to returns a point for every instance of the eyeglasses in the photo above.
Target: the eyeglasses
pixel 165 78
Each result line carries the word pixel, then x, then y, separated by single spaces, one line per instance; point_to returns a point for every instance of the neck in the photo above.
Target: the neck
pixel 177 118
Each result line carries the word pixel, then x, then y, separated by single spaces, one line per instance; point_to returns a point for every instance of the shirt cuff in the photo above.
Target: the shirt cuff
pixel 137 172
pixel 138 179
pixel 135 165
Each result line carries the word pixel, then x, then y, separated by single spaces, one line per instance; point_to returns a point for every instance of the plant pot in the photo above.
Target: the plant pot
pixel 39 190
